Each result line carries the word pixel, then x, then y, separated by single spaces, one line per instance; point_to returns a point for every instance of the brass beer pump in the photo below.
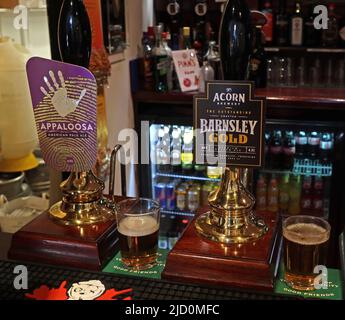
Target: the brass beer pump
pixel 231 218
pixel 82 201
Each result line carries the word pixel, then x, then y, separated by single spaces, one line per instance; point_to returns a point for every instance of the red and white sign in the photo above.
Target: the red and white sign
pixel 187 69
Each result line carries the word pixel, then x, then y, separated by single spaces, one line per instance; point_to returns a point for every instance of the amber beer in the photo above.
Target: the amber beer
pixel 305 247
pixel 138 238
pixel 138 228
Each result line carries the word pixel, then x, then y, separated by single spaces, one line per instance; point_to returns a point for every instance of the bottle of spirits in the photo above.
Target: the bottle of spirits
pixel 199 44
pixel 186 38
pixel 206 74
pixel 74 33
pixel 212 56
pixel 166 39
pixel 147 62
pixel 296 26
pixel 187 151
pixel 267 29
pixel 258 60
pixel 173 9
pixel 311 34
pixel 329 37
pixel 235 40
pixel 176 149
pixel 282 25
pixel 160 63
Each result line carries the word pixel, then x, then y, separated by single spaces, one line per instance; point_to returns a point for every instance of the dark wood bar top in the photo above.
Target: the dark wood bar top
pixel 315 98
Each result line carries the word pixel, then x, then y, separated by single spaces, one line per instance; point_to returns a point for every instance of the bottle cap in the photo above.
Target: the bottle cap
pixel 186 31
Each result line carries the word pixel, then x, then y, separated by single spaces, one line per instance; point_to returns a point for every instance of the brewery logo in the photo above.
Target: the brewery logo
pixel 229 124
pixel 84 290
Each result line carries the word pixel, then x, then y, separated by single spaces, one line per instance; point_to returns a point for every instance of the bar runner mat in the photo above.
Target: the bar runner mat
pixel 333 292
pixel 54 283
pixel 117 267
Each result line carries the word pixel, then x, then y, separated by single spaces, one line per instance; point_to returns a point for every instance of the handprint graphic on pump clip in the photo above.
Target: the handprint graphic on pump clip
pixel 59 95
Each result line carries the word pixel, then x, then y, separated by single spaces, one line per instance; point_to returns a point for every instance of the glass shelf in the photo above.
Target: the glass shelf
pixel 178 213
pixel 186 177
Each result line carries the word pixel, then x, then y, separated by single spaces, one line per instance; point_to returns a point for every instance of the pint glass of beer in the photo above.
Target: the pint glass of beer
pixel 138 228
pixel 305 247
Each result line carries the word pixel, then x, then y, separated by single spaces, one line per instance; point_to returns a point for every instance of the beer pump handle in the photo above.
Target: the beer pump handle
pixel 113 170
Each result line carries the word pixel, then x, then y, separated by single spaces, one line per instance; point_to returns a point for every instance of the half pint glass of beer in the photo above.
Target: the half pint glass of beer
pixel 138 228
pixel 305 247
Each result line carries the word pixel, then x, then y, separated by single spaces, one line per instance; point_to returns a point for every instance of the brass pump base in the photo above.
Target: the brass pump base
pixel 231 219
pixel 82 202
pixel 251 231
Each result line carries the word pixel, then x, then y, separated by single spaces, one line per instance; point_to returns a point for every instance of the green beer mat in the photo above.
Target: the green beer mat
pixel 334 291
pixel 116 266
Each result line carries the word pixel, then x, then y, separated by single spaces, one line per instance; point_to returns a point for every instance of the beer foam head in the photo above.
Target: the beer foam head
pixel 306 233
pixel 138 226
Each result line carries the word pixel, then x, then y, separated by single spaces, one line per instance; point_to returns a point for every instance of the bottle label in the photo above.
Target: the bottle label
pixel 297 31
pixel 181 201
pixel 162 65
pixel 326 145
pixel 267 29
pixel 314 141
pixel 301 141
pixel 200 9
pixel 306 203
pixel 318 204
pixel 173 8
pixel 187 158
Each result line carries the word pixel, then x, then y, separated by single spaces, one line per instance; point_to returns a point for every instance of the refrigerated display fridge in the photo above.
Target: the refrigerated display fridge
pixel 302 173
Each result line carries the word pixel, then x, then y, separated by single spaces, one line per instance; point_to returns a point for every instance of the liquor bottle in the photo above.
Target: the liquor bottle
pixel 284 194
pixel 173 9
pixel 199 44
pixel 74 33
pixel 296 26
pixel 176 149
pixel 329 36
pixel 306 195
pixel 166 39
pixel 326 148
pixel 318 197
pixel 147 62
pixel 235 40
pixel 267 29
pixel 212 56
pixel 276 150
pixel 186 38
pixel 206 74
pixel 162 149
pixel 301 145
pixel 289 150
pixel 257 69
pixel 282 25
pixel 295 195
pixel 261 194
pixel 313 145
pixel 312 35
pixel 181 196
pixel 273 195
pixel 187 151
pixel 160 62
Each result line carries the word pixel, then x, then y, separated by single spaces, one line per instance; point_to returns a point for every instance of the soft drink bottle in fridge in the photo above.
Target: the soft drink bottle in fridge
pixel 273 195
